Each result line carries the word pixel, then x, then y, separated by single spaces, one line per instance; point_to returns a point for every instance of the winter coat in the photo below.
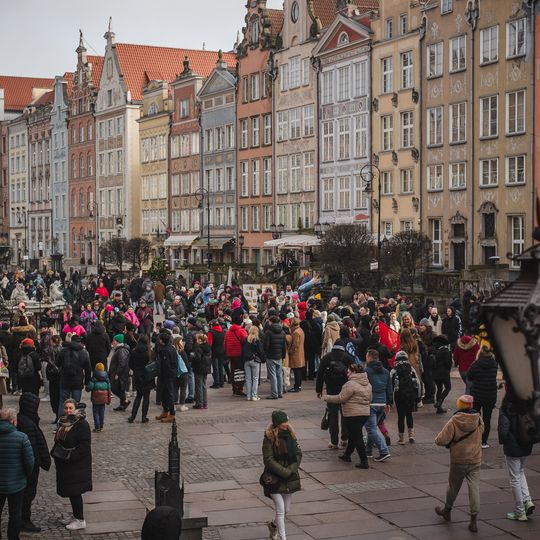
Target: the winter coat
pixel 119 368
pixel 465 352
pixel 275 345
pixel 324 374
pixel 32 383
pixel 145 316
pixel 395 377
pixel 483 378
pixel 167 359
pixel 118 324
pixel 469 450
pixel 381 384
pixel 355 396
pixel 98 345
pixel 313 336
pixel 132 318
pixel 74 476
pixel 287 472
pixel 159 292
pixel 234 337
pixel 251 349
pixel 296 349
pixel 74 364
pixel 330 336
pixel 76 329
pixel 451 328
pixel 100 388
pixel 201 359
pixel 216 339
pixel 102 291
pixel 87 319
pixel 28 423
pixel 436 325
pixel 17 460
pixel 19 333
pixel 138 359
pixel 442 359
pixel 507 430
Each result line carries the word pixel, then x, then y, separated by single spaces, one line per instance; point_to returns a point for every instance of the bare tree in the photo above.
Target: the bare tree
pixel 113 251
pixel 409 252
pixel 348 250
pixel 138 251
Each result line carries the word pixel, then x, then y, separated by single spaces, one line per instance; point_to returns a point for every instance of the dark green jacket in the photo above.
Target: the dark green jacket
pixel 16 458
pixel 289 473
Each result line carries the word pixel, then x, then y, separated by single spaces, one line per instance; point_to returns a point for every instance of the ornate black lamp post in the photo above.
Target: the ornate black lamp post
pixel 200 195
pixel 277 231
pixel 93 209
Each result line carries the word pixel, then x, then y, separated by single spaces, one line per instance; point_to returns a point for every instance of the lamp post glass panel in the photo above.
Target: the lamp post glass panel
pixel 93 210
pixel 277 230
pixel 241 240
pixel 371 173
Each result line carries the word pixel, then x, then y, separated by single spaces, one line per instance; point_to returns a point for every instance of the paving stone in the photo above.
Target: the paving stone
pixel 325 466
pixel 198 429
pixel 112 505
pixel 220 495
pixel 107 527
pixel 391 494
pixel 318 507
pixel 348 528
pixel 97 516
pixel 424 516
pixel 402 505
pixel 453 531
pixel 227 450
pixel 373 485
pixel 211 486
pixel 239 516
pixel 108 486
pixel 516 527
pixel 229 504
pixel 217 440
pixel 104 496
pixel 345 515
pixel 348 476
pixel 247 475
pixel 249 437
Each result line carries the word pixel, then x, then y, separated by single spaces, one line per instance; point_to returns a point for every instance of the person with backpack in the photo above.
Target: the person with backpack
pixel 517 447
pixel 201 363
pixel 332 375
pixel 216 339
pixel 442 365
pixel 29 368
pixel 407 392
pixel 252 358
pixel 464 355
pixel 234 338
pixel 99 387
pixel 482 376
pixel 462 435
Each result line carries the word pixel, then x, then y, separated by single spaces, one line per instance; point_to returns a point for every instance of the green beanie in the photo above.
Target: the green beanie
pixel 119 338
pixel 279 417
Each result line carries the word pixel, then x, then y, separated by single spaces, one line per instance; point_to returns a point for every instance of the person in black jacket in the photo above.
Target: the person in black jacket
pixel 201 363
pixel 167 359
pixel 29 368
pixel 119 371
pixel 483 378
pixel 139 358
pixel 216 339
pixel 333 375
pixel 75 371
pixel 312 342
pixel 442 365
pixel 28 422
pixel 98 345
pixel 275 349
pixel 451 326
pixel 516 452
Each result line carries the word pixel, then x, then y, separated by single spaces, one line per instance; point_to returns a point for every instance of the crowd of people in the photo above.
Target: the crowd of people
pixel 126 338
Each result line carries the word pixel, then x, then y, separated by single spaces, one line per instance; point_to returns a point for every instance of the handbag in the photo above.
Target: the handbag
pixel 324 421
pixel 269 480
pixel 61 452
pixel 239 375
pixel 181 368
pixel 151 370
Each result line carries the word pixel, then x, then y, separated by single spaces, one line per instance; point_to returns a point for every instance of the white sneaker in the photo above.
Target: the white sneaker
pixel 76 525
pixel 249 398
pixel 255 398
pixel 45 398
pixel 66 520
pixel 420 404
pixel 183 408
pixel 484 446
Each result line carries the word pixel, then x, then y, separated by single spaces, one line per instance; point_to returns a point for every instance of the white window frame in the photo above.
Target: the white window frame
pixel 344 192
pixel 516 170
pixel 457 54
pixel 282 125
pixel 344 138
pixel 435 126
pixel 360 78
pixel 244 133
pixel 244 178
pixel 491 166
pixel 328 194
pixel 515 126
pixel 487 108
pixel 403 24
pixel 435 178
pixel 267 129
pixel 407 66
pixel 434 61
pixel 387 75
pixel 344 83
pixel 436 241
pixel 387 183
pixel 517 242
pixel 282 174
pixel 295 123
pixel 407 129
pixel 360 128
pixel 514 29
pixel 406 181
pixel 308 120
pixel 457 174
pixel 387 132
pixel 309 171
pixel 458 123
pixel 327 87
pixel 489 45
pixel 295 67
pixel 328 141
pixel 446 6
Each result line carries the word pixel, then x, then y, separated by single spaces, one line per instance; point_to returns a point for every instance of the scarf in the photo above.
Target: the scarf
pixel 65 424
pixel 286 446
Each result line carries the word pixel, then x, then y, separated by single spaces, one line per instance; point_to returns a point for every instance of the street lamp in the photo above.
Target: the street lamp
pixel 369 173
pixel 200 194
pixel 512 320
pixel 20 214
pixel 241 240
pixel 320 229
pixel 277 230
pixel 93 208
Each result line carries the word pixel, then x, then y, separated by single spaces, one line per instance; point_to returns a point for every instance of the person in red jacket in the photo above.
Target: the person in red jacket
pixel 234 338
pixel 465 352
pixel 101 290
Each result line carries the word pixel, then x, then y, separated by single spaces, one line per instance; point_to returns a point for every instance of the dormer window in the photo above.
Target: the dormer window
pixel 343 38
pixel 255 32
pixel 152 110
pixel 295 12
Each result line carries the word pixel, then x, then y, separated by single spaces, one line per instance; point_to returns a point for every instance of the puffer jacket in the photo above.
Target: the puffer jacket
pixel 275 344
pixel 465 352
pixel 331 334
pixel 483 377
pixel 442 361
pixel 507 430
pixel 100 388
pixel 355 396
pixel 467 451
pixel 17 460
pixel 74 364
pixel 381 384
pixel 201 359
pixel 234 337
pixel 98 345
pixel 451 327
pixel 120 363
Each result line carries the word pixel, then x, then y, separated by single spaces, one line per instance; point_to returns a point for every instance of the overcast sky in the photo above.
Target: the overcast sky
pixel 38 38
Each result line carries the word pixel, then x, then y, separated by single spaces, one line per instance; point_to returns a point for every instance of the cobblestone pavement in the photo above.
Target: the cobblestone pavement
pixel 221 463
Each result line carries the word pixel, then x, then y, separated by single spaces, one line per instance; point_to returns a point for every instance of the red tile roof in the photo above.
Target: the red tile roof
pixel 97 66
pixel 140 64
pixel 276 20
pixel 46 99
pixel 68 77
pixel 326 11
pixel 18 90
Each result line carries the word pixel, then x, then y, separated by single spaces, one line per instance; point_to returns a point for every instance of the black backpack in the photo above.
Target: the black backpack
pixel 407 388
pixel 527 429
pixel 337 372
pixel 26 369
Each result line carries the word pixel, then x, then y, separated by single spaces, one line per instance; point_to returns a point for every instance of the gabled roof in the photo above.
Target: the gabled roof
pixel 277 18
pixel 18 90
pixel 68 77
pixel 357 27
pixel 46 99
pixel 139 64
pixel 97 66
pixel 325 10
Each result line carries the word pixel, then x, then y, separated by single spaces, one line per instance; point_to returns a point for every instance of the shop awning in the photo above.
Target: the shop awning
pixel 215 243
pixel 177 240
pixel 293 241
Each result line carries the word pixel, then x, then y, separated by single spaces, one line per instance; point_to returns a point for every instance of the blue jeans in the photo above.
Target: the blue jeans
pixel 252 370
pixel 191 385
pixel 65 394
pixel 374 437
pixel 99 415
pixel 275 375
pixel 463 375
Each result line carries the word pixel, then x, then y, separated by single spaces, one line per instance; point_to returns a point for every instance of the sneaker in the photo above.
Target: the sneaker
pixel 271 397
pixel 272 529
pixel 29 527
pixel 345 458
pixel 516 516
pixel 382 458
pixel 205 407
pixel 255 398
pixel 485 445
pixel 197 406
pixel 120 408
pixel 529 507
pixel 76 525
pixel 67 520
pixel 362 465
pixel 183 408
pixel 249 398
pixel 369 455
pixel 420 404
pixel 190 400
pixel 333 446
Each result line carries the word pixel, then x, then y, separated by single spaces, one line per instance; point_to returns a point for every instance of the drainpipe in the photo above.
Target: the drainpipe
pixel 532 9
pixel 316 65
pixel 370 154
pixel 422 35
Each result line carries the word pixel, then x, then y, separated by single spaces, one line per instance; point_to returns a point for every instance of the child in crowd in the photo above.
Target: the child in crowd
pixel 100 388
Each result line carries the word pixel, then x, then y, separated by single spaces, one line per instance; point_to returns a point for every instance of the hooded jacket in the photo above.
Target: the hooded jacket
pixel 98 345
pixel 216 339
pixel 355 396
pixel 338 355
pixel 17 460
pixel 74 364
pixel 100 388
pixel 28 423
pixel 465 352
pixel 331 333
pixel 139 358
pixel 442 364
pixel 451 327
pixel 381 384
pixel 483 377
pixel 234 337
pixel 508 430
pixel 120 363
pixel 167 359
pixel 467 451
pixel 274 342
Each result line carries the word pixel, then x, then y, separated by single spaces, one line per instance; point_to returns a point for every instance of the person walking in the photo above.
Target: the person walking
pixel 72 454
pixel 482 376
pixel 119 371
pixel 517 447
pixel 181 383
pixel 281 457
pixel 442 365
pixel 29 368
pixel 100 395
pixel 52 372
pixel 16 466
pixel 252 358
pixel 297 359
pixel 451 326
pixel 98 345
pixel 407 392
pixel 355 399
pixel 28 423
pixel 464 354
pixel 275 349
pixel 462 434
pixel 139 358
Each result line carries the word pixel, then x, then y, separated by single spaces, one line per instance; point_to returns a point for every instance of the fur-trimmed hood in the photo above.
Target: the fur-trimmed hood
pixel 466 342
pixel 271 432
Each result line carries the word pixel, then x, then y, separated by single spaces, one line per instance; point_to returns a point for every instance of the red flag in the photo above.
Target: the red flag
pixel 390 338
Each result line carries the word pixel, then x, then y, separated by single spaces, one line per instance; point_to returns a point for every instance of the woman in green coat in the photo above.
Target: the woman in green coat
pixel 282 457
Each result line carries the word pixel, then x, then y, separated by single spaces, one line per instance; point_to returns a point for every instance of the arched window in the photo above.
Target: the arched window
pixel 73 167
pixel 74 202
pixel 81 166
pixel 81 202
pixel 343 38
pixel 255 31
pixel 90 165
pixel 73 243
